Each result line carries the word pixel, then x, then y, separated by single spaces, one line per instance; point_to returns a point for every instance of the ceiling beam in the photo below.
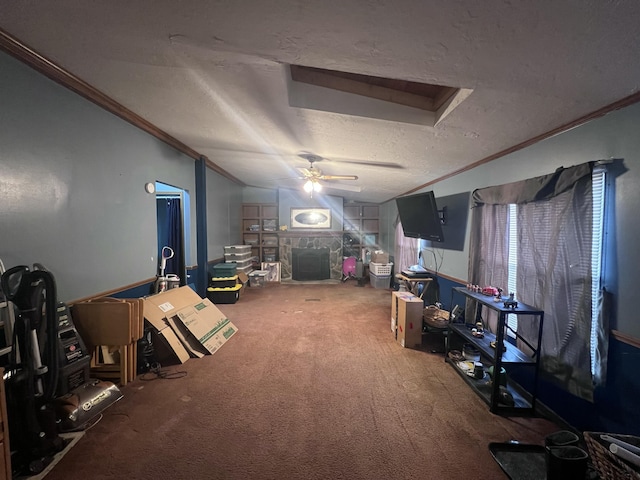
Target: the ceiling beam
pixel 323 78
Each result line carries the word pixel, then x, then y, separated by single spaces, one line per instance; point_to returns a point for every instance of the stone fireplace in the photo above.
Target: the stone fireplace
pixel 310 264
pixel 329 244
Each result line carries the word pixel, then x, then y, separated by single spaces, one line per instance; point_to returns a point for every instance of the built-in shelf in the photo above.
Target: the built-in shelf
pixel 260 230
pixel 361 227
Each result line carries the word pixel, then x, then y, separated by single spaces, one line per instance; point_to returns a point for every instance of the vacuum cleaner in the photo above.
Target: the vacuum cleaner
pixel 163 281
pixel 48 362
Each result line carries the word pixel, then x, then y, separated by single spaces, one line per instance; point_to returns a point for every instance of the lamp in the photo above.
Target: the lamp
pixel 308 186
pixel 312 186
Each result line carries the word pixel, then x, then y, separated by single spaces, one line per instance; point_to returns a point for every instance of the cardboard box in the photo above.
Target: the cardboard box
pixel 243 279
pixel 379 257
pixel 394 312
pixel 198 324
pixel 206 325
pixel 166 304
pixel 406 312
pixel 169 348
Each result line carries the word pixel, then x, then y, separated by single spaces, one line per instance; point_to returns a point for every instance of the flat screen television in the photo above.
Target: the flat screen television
pixel 419 216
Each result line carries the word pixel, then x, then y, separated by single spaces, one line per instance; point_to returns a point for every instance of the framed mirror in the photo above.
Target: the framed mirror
pixel 316 218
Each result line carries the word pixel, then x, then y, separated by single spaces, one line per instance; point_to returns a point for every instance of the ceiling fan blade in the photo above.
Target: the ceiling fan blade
pixel 366 163
pixel 302 177
pixel 338 177
pixel 336 186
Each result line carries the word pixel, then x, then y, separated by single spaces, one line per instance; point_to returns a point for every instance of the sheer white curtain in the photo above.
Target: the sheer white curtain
pixel 489 255
pixel 406 252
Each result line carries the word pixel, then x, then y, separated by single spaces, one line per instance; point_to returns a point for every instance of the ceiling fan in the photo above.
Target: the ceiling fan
pixel 314 176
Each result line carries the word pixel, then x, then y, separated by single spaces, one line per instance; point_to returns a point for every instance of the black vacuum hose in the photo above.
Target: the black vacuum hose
pixel 51 325
pixel 26 289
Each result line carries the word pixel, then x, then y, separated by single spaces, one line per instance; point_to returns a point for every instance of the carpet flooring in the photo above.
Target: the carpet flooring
pixel 313 386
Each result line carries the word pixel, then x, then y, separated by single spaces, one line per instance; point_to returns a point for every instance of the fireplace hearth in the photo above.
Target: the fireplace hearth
pixel 310 264
pixel 325 242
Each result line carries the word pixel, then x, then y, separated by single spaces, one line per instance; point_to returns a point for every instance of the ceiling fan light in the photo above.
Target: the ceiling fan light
pixel 308 186
pixel 316 187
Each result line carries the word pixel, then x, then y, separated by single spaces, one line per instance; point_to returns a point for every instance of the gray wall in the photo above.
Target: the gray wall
pixel 289 199
pixel 224 213
pixel 259 195
pixel 612 136
pixel 72 187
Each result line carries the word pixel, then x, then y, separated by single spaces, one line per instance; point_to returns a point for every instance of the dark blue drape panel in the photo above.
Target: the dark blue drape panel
pixel 163 227
pixel 174 224
pixel 201 222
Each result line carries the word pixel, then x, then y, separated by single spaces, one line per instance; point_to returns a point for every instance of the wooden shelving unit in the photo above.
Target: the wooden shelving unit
pixel 361 224
pixel 260 230
pixel 5 454
pixel 7 319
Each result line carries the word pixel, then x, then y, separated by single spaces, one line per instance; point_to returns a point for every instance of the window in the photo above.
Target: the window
pixel 512 320
pixel 542 239
pixel 598 192
pixel 598 183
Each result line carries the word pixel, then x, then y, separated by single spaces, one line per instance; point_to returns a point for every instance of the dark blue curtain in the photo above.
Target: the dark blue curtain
pixel 170 234
pixel 174 237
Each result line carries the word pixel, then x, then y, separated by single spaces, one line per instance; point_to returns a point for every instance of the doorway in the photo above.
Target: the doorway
pixel 171 205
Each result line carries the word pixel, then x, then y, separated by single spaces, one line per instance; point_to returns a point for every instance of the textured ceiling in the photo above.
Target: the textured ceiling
pixel 214 75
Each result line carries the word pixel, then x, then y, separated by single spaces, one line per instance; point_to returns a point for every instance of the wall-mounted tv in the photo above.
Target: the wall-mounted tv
pixel 456 213
pixel 419 216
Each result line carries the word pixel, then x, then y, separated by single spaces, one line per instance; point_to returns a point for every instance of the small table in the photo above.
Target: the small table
pixel 413 283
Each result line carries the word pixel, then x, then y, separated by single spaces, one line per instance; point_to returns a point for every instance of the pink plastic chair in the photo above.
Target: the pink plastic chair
pixel 348 268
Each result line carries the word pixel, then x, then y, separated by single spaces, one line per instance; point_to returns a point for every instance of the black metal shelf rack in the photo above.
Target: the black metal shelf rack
pixel 502 355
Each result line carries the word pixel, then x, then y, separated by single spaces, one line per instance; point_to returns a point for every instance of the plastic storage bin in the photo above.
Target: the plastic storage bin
pixel 224 295
pixel 257 278
pixel 223 282
pixel 224 270
pixel 240 263
pixel 380 269
pixel 237 256
pixel 246 269
pixel 380 281
pixel 237 249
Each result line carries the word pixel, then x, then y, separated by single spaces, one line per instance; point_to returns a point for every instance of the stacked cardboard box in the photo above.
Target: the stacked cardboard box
pixel 186 325
pixel 379 257
pixel 406 319
pixel 181 325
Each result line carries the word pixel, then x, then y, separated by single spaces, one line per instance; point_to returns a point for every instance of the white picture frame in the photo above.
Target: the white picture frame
pixel 311 218
pixel 273 271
